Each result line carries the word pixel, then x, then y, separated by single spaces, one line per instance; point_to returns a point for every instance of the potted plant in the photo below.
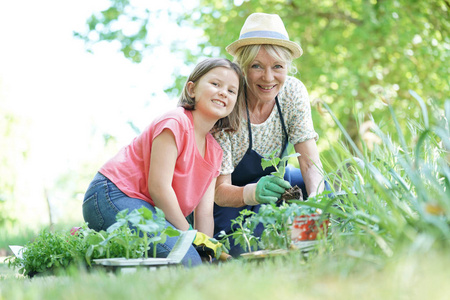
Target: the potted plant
pixel 288 224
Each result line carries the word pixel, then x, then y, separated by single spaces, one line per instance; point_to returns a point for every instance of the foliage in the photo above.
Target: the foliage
pixel 278 163
pixel 395 195
pixel 128 237
pixel 242 233
pixel 130 42
pixel 354 51
pixel 400 195
pixel 276 221
pixel 15 150
pixel 49 251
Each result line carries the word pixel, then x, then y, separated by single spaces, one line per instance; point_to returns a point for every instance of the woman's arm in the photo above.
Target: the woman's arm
pixel 160 176
pixel 310 166
pixel 203 213
pixel 228 195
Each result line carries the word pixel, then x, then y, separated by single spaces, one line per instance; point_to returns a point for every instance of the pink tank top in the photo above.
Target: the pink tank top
pixel 129 168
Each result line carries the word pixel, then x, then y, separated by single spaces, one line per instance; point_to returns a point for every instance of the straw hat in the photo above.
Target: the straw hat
pixel 260 28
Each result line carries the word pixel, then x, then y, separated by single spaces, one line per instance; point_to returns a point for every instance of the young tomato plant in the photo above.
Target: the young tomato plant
pixel 276 218
pixel 277 222
pixel 243 232
pixel 149 226
pixel 278 163
pixel 132 234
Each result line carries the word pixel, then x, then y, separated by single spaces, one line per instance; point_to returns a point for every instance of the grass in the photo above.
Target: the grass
pixel 390 241
pixel 322 277
pixel 15 235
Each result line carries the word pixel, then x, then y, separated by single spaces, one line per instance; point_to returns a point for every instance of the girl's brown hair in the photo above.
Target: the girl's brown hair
pixel 230 122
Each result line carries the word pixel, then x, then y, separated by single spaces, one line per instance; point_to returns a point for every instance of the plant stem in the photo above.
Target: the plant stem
pixel 146 245
pixel 245 237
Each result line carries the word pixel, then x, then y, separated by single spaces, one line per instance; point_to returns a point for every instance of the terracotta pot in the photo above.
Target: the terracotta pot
pixel 306 227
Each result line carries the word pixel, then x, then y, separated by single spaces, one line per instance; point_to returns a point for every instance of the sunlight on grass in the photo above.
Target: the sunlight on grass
pixel 405 276
pixel 389 235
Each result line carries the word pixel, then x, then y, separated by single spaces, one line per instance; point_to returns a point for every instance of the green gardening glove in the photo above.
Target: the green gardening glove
pixel 268 189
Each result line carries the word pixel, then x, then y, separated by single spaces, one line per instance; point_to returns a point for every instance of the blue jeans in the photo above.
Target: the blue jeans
pixel 103 200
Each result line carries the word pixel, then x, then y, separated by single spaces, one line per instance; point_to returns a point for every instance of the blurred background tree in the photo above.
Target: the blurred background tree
pixel 14 151
pixel 358 54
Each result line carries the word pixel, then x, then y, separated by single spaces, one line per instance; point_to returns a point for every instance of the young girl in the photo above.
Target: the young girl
pixel 174 163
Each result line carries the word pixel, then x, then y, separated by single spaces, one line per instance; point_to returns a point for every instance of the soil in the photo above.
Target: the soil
pixel 294 193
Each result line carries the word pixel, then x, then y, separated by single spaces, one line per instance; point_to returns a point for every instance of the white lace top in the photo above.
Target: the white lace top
pixel 268 136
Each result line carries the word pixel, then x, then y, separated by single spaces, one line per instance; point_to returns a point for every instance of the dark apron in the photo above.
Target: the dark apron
pixel 249 170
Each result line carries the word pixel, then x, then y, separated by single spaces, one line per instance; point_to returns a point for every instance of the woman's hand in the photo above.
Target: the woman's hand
pixel 268 189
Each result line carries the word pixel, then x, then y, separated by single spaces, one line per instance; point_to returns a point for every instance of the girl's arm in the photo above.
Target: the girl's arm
pixel 162 166
pixel 310 166
pixel 203 213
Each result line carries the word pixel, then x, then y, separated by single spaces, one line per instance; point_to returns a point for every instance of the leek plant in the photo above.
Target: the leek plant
pixel 394 193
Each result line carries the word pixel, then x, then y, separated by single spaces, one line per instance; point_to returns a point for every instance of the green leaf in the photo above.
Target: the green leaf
pixel 120 223
pixel 147 214
pixel 266 163
pixel 154 239
pixel 171 232
pixel 149 227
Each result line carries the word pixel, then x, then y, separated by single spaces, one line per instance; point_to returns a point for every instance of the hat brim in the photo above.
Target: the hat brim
pixel 293 47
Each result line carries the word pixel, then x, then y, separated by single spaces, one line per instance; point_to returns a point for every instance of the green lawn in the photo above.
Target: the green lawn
pixel 420 276
pixel 390 240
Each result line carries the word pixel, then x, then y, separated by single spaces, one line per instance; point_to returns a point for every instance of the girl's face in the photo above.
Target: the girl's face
pixel 265 77
pixel 215 93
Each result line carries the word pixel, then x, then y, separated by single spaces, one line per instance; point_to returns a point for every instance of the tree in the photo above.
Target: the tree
pixel 13 153
pixel 357 53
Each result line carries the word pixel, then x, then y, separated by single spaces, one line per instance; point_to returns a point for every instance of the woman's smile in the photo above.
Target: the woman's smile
pixel 265 77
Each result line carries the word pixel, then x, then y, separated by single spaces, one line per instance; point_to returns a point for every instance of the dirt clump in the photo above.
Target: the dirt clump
pixel 294 193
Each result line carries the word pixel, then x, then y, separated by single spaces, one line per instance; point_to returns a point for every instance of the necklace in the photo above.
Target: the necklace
pixel 259 117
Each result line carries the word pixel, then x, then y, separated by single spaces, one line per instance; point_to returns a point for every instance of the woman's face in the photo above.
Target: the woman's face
pixel 265 77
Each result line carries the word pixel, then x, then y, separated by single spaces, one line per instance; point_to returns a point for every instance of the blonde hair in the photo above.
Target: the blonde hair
pixel 230 122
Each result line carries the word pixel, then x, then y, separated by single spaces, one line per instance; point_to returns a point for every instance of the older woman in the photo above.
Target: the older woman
pixel 278 112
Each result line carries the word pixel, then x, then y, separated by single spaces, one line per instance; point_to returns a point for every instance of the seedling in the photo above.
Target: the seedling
pixel 275 217
pixel 130 237
pixel 277 222
pixel 278 163
pixel 243 234
pixel 132 231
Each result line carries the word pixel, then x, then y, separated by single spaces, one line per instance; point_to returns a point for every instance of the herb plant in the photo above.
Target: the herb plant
pixel 48 252
pixel 131 236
